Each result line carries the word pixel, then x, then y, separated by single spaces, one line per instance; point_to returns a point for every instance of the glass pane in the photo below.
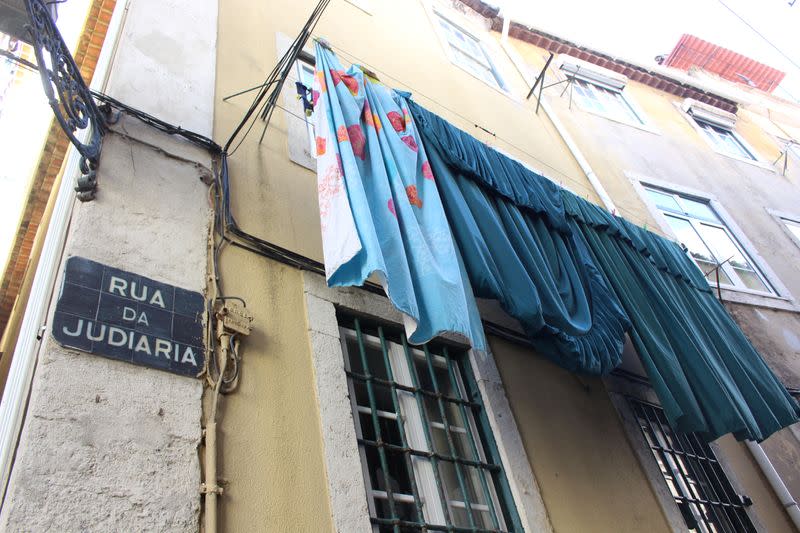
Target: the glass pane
pixel 664 200
pixel 390 431
pixel 688 237
pixel 381 394
pixel 751 280
pixel 699 210
pixel 399 481
pixel 457 434
pixel 724 247
pixel 698 250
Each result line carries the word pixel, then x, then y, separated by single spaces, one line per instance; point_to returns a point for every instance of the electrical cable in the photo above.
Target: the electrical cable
pixel 150 120
pixel 744 21
pixel 264 102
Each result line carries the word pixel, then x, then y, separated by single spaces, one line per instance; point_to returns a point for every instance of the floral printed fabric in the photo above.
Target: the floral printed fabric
pixel 380 211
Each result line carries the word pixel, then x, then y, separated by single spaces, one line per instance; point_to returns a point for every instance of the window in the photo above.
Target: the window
pixel 305 75
pixel 604 101
pixel 709 241
pixel 467 52
pixel 428 456
pixel 724 140
pixel 705 496
pixel 793 226
pixel 717 125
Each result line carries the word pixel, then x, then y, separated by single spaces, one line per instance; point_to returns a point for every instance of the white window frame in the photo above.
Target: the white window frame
pixel 697 223
pixel 780 299
pixel 714 133
pixel 784 219
pixel 301 143
pixel 601 95
pixel 300 66
pixel 346 487
pixel 436 15
pixel 603 86
pixel 754 159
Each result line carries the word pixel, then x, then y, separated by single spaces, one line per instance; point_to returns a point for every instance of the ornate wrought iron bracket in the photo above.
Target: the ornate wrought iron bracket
pixel 70 98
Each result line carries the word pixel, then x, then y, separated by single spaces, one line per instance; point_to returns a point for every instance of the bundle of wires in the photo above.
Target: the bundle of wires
pixel 266 98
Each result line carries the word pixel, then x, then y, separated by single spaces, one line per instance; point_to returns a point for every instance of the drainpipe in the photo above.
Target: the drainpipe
pixel 776 482
pixel 519 63
pixel 579 158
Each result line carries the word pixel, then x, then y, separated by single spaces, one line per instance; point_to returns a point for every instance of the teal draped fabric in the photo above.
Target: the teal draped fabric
pixel 519 249
pixel 519 233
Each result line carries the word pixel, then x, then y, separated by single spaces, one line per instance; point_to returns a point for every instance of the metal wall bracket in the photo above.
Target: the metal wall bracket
pixel 67 93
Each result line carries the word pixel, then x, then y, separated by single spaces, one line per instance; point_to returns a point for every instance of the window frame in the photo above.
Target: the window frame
pixel 697 223
pixel 714 133
pixel 691 470
pixel 754 159
pixel 437 16
pixel 298 125
pixel 621 391
pixel 781 299
pixel 301 64
pixel 412 421
pixel 346 488
pixel 783 218
pixel 601 95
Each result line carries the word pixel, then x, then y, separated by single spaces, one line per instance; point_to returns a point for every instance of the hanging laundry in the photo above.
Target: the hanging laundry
pixel 380 210
pixel 525 242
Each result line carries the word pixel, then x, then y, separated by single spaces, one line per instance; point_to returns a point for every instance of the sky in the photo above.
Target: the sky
pixel 24 120
pixel 640 30
pixel 630 29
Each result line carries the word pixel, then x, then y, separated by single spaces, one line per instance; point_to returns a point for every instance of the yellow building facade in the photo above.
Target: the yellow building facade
pixel 275 446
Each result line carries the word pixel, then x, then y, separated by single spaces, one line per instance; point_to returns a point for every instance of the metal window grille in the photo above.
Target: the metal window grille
pixel 695 478
pixel 430 461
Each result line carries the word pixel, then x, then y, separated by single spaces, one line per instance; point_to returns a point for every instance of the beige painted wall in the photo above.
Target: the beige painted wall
pixel 271 444
pixel 589 477
pixel 677 153
pixel 269 441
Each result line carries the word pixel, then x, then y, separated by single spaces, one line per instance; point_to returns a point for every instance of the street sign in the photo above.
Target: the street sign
pixel 125 316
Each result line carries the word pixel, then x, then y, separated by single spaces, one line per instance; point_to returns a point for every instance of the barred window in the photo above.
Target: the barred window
pixel 429 459
pixel 705 496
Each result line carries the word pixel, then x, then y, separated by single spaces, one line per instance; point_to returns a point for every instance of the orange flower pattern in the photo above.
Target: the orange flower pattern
pixel 413 196
pixel 320 75
pixel 321 142
pixel 358 141
pixel 341 134
pixel 367 115
pixel 351 83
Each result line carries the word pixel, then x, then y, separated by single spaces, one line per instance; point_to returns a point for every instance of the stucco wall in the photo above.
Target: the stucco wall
pixel 673 152
pixel 273 415
pixel 589 478
pixel 108 446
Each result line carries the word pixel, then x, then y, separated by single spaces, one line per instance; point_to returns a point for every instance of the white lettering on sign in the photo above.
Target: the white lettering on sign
pixel 115 336
pixel 141 293
pixel 129 315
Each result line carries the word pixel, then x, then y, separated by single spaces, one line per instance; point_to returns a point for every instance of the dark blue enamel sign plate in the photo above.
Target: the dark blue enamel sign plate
pixel 121 315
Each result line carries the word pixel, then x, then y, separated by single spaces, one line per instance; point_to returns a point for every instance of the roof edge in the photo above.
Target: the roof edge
pixel 635 72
